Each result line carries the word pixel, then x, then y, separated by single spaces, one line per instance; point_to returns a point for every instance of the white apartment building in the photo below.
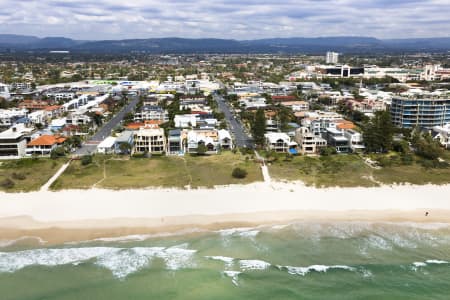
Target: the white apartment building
pixel 13 143
pixel 355 140
pixel 332 57
pixel 308 142
pixel 150 139
pixel 4 91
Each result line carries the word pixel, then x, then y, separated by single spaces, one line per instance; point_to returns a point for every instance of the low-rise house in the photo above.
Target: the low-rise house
pixel 54 111
pixel 225 140
pixel 78 119
pixel 44 145
pixel 175 142
pixel 9 116
pixel 107 146
pixel 308 142
pixel 151 113
pixel 32 105
pixel 442 134
pixel 149 139
pixel 57 124
pixel 280 142
pixel 209 138
pixel 296 105
pixel 185 121
pixel 337 139
pixel 38 117
pixel 124 142
pixel 355 140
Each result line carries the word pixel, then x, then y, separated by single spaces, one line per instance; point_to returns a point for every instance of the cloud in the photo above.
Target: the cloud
pixel 238 19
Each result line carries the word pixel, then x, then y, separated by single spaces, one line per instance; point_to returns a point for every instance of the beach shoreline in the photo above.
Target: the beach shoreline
pixel 78 215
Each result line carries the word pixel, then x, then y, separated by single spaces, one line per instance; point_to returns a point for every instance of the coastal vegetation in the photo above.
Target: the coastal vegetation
pixel 27 174
pixel 159 171
pixel 360 170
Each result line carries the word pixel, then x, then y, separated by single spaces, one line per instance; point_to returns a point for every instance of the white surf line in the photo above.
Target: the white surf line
pixel 264 168
pixel 61 170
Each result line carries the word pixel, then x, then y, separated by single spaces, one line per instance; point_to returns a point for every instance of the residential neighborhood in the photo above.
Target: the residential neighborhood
pixel 277 105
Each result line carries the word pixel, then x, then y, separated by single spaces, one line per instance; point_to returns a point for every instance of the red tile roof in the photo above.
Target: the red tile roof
pixel 47 140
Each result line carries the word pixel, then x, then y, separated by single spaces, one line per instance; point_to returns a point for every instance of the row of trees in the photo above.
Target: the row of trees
pixel 379 132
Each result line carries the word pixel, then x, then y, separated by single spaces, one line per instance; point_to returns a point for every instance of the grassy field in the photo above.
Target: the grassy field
pixel 27 174
pixel 180 172
pixel 351 171
pixel 326 171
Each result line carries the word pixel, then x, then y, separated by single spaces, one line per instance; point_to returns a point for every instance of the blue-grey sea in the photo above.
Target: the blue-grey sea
pixel 354 260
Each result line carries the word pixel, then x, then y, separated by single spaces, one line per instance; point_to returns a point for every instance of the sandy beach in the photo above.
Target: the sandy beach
pixel 76 215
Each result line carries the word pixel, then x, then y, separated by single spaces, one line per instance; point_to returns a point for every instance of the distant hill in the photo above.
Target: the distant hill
pixel 347 44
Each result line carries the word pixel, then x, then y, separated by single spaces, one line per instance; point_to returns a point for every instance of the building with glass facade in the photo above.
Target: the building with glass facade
pixel 423 112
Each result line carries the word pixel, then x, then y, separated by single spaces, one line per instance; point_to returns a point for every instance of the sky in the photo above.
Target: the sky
pixel 236 19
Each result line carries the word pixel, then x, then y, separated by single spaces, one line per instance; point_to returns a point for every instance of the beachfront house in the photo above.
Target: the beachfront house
pixel 355 140
pixel 225 140
pixel 175 142
pixel 280 142
pixel 44 145
pixel 206 137
pixel 308 142
pixel 149 139
pixel 442 134
pixel 124 142
pixel 337 139
pixel 107 146
pixel 13 141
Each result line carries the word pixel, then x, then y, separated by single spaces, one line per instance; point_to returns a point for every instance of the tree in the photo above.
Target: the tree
pixel 425 146
pixel 201 149
pixel 239 173
pixel 74 141
pixel 86 160
pixel 57 152
pixel 378 132
pixel 259 127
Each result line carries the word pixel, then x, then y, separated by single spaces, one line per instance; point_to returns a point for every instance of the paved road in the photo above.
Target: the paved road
pixel 91 145
pixel 242 139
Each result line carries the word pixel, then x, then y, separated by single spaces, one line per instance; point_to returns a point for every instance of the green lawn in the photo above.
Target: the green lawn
pixel 27 174
pixel 158 171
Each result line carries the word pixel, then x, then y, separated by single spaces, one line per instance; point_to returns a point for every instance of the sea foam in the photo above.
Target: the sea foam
pixel 314 268
pixel 120 261
pixel 233 275
pixel 253 264
pixel 227 260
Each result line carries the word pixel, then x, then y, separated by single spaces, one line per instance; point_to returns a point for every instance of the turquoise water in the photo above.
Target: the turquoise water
pixel 294 261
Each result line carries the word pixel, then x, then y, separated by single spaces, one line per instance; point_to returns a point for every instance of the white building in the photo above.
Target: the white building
pixel 225 140
pixel 149 139
pixel 355 140
pixel 44 145
pixel 107 146
pixel 4 91
pixel 332 57
pixel 442 134
pixel 279 142
pixel 308 142
pixel 8 116
pixel 13 143
pixel 195 138
pixel 185 121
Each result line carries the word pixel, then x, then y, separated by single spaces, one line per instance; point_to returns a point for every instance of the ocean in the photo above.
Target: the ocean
pixel 303 260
